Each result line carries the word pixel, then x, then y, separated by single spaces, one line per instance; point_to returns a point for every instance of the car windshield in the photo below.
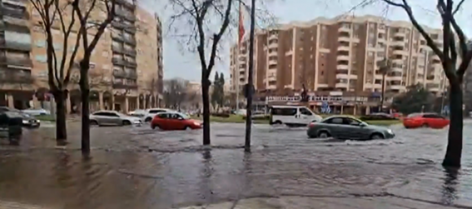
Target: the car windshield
pixel 185 116
pixel 413 115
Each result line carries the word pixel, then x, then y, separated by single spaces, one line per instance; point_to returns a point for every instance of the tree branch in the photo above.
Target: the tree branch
pixel 217 37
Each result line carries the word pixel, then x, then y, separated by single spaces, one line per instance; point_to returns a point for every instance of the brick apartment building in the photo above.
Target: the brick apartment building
pixel 126 63
pixel 338 61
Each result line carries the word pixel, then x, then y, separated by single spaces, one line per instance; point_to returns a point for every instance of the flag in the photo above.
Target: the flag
pixel 241 24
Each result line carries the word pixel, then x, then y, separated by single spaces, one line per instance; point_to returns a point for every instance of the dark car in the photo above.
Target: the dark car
pixel 28 120
pixel 378 116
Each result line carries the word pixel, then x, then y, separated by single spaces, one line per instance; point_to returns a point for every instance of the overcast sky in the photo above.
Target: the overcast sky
pixel 185 65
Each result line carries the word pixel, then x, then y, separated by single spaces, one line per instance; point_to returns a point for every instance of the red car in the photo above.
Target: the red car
pixel 174 121
pixel 431 120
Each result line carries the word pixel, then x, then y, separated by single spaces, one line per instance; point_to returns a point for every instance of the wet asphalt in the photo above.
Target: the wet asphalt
pixel 137 167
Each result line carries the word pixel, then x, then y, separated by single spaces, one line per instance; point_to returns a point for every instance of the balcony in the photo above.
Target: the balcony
pixel 126 4
pixel 343 48
pixel 16 62
pixel 395 78
pixel 131 41
pixel 397 87
pixel 400 34
pixel 8 12
pixel 342 76
pixel 344 38
pixel 118 61
pixel 400 52
pixel 123 74
pixel 397 43
pixel 121 85
pixel 341 85
pixel 130 52
pixel 344 29
pixel 123 26
pixel 342 67
pixel 128 15
pixel 131 63
pixel 117 49
pixel 117 37
pixel 15 77
pixel 272 62
pixel 16 21
pixel 8 44
pixel 342 58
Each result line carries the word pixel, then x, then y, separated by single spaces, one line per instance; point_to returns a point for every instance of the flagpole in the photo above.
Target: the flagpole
pixel 237 77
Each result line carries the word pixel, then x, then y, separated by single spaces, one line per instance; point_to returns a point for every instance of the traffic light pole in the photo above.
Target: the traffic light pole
pixel 247 144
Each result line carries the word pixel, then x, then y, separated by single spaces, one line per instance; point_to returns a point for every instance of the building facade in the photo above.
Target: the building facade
pixel 339 56
pixel 126 68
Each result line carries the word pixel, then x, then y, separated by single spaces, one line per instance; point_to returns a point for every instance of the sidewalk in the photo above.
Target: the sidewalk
pixel 324 202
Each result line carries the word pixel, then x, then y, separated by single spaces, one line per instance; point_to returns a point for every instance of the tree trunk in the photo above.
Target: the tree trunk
pixel 61 129
pixel 454 141
pixel 85 93
pixel 85 97
pixel 206 110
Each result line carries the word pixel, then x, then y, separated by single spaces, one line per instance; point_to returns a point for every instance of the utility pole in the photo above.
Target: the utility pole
pixel 250 86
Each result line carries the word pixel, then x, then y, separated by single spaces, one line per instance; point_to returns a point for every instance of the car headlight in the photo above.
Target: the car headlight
pixel 196 123
pixel 25 121
pixel 389 131
pixel 38 120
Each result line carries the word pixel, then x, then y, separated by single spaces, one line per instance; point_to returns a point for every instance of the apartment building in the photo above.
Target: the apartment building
pixel 125 71
pixel 339 56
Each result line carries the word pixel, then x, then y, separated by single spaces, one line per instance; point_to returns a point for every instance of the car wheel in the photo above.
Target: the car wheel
pixel 376 136
pixel 155 126
pixel 126 123
pixel 148 119
pixel 93 123
pixel 277 122
pixel 323 134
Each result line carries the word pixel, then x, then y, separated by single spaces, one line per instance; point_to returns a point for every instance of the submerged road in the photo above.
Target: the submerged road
pixel 136 167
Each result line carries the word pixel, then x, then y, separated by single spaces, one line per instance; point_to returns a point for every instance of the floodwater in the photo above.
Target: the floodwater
pixel 136 167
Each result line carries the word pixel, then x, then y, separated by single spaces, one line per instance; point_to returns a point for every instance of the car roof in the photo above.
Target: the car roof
pixel 286 106
pixel 109 111
pixel 340 116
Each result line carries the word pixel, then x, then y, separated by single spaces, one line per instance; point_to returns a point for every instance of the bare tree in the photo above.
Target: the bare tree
pixel 454 49
pixel 207 22
pixel 454 56
pixel 87 24
pixel 175 93
pixel 56 14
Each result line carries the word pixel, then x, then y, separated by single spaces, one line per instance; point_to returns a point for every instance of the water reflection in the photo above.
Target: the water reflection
pixel 123 173
pixel 449 188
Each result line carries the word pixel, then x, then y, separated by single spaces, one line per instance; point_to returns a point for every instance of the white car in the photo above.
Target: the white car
pixel 293 115
pixel 137 113
pixel 36 112
pixel 150 113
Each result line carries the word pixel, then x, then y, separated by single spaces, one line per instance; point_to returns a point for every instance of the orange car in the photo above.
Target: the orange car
pixel 431 120
pixel 174 121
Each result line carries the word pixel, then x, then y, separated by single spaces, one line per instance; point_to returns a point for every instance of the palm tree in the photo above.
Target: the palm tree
pixel 385 66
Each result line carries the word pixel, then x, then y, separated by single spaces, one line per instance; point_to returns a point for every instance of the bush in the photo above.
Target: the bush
pixel 259 117
pixel 222 115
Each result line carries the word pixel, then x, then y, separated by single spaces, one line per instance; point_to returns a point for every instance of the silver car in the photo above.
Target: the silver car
pixel 113 118
pixel 345 127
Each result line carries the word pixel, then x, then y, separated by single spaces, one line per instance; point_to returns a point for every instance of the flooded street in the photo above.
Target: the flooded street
pixel 137 167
